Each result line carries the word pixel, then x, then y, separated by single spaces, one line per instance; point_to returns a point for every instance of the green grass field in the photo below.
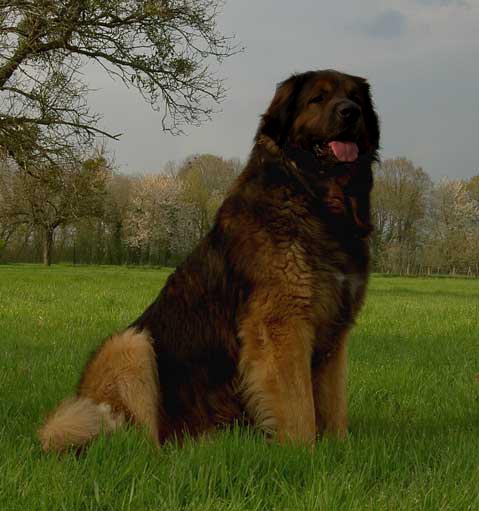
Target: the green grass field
pixel 414 407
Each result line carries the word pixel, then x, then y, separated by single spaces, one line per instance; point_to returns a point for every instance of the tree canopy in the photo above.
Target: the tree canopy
pixel 46 198
pixel 165 49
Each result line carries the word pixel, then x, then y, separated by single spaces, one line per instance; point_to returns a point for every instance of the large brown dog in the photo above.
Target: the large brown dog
pixel 252 327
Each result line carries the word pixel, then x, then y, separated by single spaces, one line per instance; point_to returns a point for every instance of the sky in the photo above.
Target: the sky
pixel 420 56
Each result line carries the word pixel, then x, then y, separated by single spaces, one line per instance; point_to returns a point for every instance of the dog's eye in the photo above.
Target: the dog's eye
pixel 317 99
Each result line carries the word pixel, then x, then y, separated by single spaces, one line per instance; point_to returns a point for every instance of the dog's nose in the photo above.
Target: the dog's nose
pixel 348 111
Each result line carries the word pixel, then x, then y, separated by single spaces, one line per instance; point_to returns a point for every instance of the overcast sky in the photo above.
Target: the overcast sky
pixel 420 56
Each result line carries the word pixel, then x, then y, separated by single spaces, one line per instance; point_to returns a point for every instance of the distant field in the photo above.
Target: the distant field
pixel 414 407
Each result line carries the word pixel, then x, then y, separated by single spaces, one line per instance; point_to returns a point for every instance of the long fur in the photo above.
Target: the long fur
pixel 252 327
pixel 119 383
pixel 75 422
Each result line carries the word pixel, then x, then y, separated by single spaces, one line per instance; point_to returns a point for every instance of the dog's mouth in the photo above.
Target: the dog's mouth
pixel 343 151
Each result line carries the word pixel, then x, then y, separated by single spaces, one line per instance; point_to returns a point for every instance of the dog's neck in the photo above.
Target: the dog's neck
pixel 304 159
pixel 327 182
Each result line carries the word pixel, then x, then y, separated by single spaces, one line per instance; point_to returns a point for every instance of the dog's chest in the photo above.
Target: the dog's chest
pixel 337 298
pixel 351 286
pixel 337 295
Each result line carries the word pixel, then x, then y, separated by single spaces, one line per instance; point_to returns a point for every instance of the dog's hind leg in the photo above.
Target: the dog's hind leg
pixel 119 383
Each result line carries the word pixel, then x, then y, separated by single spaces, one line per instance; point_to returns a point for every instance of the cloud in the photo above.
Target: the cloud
pixel 444 3
pixel 389 24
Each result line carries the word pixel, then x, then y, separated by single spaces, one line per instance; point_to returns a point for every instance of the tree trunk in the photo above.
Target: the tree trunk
pixel 47 245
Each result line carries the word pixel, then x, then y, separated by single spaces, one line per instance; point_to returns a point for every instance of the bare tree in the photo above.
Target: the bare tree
pixel 206 178
pixel 162 48
pixel 454 240
pixel 155 222
pixel 117 204
pixel 51 196
pixel 472 186
pixel 399 205
pixel 169 212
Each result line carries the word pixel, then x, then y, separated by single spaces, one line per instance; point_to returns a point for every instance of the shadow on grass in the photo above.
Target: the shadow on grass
pixel 389 426
pixel 408 292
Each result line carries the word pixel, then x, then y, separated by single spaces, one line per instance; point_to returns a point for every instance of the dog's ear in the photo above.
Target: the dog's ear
pixel 279 117
pixel 370 117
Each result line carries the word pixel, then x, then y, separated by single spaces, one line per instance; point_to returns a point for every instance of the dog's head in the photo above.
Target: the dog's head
pixel 325 112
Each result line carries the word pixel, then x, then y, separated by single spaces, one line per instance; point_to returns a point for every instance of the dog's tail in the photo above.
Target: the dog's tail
pixel 75 422
pixel 119 384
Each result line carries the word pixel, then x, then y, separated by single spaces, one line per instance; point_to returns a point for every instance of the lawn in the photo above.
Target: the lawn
pixel 414 407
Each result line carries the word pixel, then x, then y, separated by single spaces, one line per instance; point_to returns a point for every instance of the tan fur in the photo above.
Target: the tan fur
pixel 75 422
pixel 275 366
pixel 124 373
pixel 121 381
pixel 251 327
pixel 330 393
pixel 277 335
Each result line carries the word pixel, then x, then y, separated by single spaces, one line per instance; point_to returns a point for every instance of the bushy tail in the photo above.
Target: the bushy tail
pixel 75 422
pixel 121 376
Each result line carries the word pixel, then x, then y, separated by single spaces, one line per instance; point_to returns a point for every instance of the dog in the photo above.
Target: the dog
pixel 252 328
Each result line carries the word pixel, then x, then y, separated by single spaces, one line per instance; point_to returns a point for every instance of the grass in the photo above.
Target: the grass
pixel 414 407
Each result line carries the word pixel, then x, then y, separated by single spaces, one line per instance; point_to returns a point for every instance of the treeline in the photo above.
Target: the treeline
pixel 421 226
pixel 54 203
pixel 89 214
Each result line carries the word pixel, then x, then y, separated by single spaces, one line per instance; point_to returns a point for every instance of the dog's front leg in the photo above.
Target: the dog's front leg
pixel 275 367
pixel 330 394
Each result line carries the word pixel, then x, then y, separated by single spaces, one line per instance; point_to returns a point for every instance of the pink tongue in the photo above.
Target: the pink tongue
pixel 344 151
